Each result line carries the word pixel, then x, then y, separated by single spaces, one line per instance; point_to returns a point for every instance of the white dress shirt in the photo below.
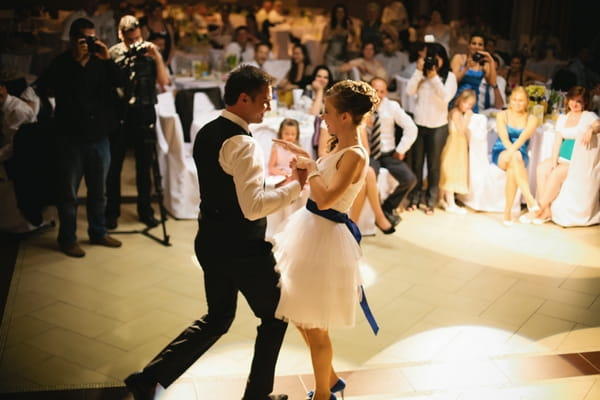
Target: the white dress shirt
pixel 390 113
pixel 433 96
pixel 501 82
pixel 245 54
pixel 242 158
pixel 15 112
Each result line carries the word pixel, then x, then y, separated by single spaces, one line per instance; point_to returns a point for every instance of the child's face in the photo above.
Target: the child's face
pixel 466 104
pixel 289 134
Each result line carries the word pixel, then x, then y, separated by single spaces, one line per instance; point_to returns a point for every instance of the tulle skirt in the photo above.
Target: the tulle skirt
pixel 320 279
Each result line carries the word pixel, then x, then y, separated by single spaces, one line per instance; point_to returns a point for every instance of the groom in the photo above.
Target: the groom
pixel 230 243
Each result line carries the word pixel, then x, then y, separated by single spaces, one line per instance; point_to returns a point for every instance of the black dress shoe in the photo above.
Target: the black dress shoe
pixel 150 221
pixel 139 387
pixel 393 218
pixel 278 397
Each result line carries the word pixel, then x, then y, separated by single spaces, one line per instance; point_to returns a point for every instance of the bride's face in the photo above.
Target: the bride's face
pixel 331 116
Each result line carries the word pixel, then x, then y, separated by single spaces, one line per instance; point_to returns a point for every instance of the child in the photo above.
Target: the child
pixel 454 174
pixel 279 161
pixel 279 165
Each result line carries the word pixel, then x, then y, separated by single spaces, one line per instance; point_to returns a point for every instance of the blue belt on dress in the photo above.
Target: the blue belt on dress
pixel 342 218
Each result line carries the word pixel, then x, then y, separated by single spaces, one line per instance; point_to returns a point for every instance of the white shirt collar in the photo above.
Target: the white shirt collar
pixel 236 119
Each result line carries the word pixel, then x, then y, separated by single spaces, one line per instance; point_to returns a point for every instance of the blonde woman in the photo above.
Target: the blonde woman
pixel 515 126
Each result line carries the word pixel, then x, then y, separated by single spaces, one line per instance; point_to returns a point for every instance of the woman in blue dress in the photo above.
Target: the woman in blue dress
pixel 472 67
pixel 515 126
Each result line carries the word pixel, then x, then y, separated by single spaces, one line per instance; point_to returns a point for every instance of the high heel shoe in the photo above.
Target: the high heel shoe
pixel 339 386
pixel 311 394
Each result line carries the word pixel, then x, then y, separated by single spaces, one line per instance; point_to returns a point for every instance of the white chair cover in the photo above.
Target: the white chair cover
pixel 578 203
pixel 486 180
pixel 180 179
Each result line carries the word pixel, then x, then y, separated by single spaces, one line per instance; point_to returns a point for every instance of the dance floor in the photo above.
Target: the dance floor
pixel 468 309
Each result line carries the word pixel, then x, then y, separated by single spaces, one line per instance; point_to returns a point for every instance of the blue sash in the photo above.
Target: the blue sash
pixel 342 218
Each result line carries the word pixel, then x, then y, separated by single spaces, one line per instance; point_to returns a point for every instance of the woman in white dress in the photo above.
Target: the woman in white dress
pixel 577 125
pixel 317 254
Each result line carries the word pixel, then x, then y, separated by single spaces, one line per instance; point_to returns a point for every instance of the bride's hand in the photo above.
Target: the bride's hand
pixel 294 148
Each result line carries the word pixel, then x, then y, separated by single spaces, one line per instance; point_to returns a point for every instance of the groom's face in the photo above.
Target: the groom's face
pixel 257 106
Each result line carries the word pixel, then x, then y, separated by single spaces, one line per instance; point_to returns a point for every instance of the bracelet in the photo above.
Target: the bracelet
pixel 494 86
pixel 313 174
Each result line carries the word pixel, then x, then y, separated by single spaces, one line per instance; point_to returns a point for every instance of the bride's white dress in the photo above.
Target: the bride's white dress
pixel 318 261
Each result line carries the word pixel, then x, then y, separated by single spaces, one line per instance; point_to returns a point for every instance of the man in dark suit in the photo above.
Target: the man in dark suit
pixel 230 243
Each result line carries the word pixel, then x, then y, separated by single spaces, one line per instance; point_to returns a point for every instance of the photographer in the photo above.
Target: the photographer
pixel 82 81
pixel 472 67
pixel 434 85
pixel 143 67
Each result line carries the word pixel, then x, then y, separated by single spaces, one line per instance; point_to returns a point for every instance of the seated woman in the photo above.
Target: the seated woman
pixel 369 191
pixel 515 126
pixel 298 75
pixel 368 66
pixel 314 93
pixel 576 125
pixel 515 74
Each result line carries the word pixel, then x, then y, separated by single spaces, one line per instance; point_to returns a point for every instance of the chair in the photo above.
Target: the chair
pixel 578 202
pixel 184 104
pixel 180 178
pixel 486 180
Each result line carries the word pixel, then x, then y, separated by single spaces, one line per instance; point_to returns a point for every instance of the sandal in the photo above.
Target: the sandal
pixel 412 207
pixel 428 210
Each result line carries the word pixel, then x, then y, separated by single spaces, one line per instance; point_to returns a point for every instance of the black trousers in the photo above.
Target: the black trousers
pixel 138 132
pixel 401 172
pixel 429 144
pixel 224 277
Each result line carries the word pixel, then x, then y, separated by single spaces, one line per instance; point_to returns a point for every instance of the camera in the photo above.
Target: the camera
pixel 429 64
pixel 136 49
pixel 91 43
pixel 478 57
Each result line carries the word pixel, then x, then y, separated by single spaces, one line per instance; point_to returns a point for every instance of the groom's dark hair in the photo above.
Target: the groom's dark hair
pixel 245 79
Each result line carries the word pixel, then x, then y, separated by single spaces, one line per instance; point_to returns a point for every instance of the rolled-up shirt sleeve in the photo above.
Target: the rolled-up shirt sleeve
pixel 241 158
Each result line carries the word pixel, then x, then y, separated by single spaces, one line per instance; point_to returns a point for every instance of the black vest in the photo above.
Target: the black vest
pixel 223 229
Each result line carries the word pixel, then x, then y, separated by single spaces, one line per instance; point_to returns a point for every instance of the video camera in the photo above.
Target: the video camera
pixel 136 49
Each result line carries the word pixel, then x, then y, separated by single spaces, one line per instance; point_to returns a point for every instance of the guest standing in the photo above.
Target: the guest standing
pixel 82 80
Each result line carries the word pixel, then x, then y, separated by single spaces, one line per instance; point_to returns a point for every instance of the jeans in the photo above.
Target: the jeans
pixel 430 143
pixel 77 160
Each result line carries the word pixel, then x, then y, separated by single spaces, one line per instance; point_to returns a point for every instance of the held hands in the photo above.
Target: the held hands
pixel 102 52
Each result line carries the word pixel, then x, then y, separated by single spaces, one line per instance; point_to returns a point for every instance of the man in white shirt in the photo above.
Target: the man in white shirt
pixel 241 47
pixel 492 95
pixel 261 55
pixel 14 113
pixel 393 61
pixel 263 13
pixel 230 244
pixel 389 113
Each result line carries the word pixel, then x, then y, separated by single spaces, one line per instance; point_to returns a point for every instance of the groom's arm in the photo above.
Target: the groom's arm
pixel 241 158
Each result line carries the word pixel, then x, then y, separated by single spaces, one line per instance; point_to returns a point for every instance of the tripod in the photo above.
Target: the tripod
pixel 149 144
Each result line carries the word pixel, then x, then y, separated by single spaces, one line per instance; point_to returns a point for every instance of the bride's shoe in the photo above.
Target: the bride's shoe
pixel 339 386
pixel 311 394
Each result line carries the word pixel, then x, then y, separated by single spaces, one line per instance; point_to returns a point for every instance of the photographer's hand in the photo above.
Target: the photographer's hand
pixel 162 75
pixel 102 52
